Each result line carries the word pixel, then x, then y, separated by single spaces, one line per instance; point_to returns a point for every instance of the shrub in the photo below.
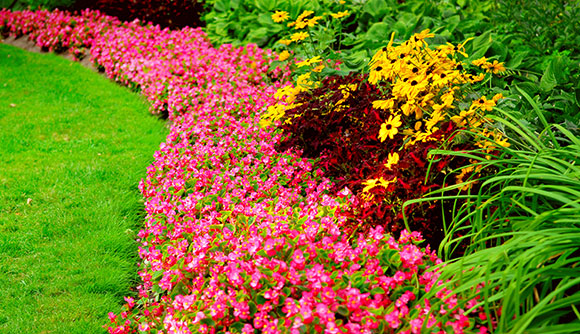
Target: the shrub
pixel 36 4
pixel 167 13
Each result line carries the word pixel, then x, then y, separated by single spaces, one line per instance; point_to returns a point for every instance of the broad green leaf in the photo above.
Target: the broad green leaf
pixel 258 36
pixel 376 8
pixel 266 5
pixel 480 45
pixel 499 49
pixel 516 59
pixel 379 31
pixel 221 5
pixel 548 80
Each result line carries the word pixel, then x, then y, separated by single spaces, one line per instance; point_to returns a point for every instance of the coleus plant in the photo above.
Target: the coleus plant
pixel 373 132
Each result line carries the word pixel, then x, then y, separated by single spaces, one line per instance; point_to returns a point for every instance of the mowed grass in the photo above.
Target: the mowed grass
pixel 73 147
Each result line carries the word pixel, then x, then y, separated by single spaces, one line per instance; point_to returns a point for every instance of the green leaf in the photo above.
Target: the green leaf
pixel 379 31
pixel 378 291
pixel 224 215
pixel 480 45
pixel 516 59
pixel 528 87
pixel 342 310
pixel 548 80
pixel 265 19
pixel 253 308
pixel 499 49
pixel 266 5
pixel 207 321
pixel 221 5
pixel 258 36
pixel 261 299
pixel 376 8
pixel 237 326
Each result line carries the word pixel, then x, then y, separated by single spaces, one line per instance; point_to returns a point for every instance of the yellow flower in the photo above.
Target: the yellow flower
pixel 285 41
pixel 283 55
pixel 494 67
pixel 476 78
pixel 484 103
pixel 424 34
pixel 376 74
pixel 436 117
pixel 318 68
pixel 480 61
pixel 384 183
pixel 390 128
pixel 340 14
pixel 304 81
pixel 304 14
pixel 384 104
pixel 463 117
pixel 300 23
pixel 392 160
pixel 309 62
pixel 299 36
pixel 313 21
pixel 280 16
pixel 372 183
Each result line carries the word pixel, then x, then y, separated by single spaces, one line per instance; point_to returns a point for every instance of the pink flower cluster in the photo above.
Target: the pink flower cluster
pixel 240 238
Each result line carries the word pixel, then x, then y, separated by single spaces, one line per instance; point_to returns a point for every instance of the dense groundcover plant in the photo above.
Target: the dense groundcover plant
pixel 240 237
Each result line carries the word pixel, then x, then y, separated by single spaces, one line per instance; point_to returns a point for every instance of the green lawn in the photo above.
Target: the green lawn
pixel 73 147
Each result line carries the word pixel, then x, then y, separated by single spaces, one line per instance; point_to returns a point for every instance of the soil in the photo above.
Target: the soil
pixel 28 45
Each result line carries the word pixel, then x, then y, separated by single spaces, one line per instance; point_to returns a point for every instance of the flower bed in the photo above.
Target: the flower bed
pixel 238 236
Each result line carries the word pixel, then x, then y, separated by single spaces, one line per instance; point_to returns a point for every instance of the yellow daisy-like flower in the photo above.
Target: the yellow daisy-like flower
pixel 390 128
pixel 304 15
pixel 424 34
pixel 463 117
pixel 299 36
pixel 484 103
pixel 318 68
pixel 480 61
pixel 392 160
pixel 304 81
pixel 313 21
pixel 436 117
pixel 283 55
pixel 372 183
pixel 340 14
pixel 384 104
pixel 280 16
pixel 376 74
pixel 300 24
pixel 494 67
pixel 285 42
pixel 309 62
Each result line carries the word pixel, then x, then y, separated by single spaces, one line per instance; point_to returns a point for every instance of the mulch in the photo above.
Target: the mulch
pixel 28 45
